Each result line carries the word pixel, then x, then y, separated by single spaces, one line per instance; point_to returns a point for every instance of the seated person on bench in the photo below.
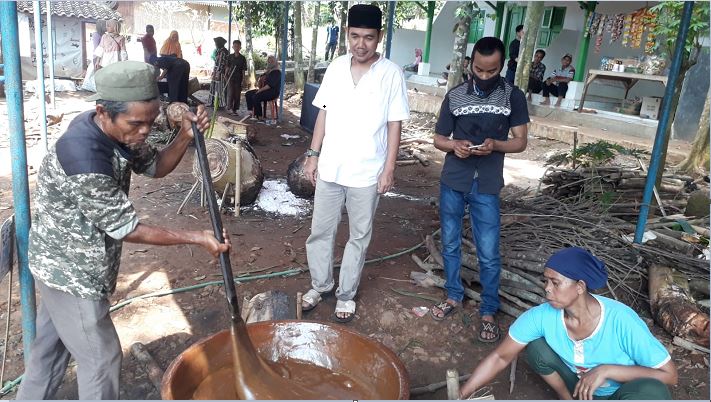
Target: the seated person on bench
pixel 269 84
pixel 557 83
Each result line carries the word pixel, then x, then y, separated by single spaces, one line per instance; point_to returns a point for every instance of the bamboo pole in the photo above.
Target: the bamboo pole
pixel 238 176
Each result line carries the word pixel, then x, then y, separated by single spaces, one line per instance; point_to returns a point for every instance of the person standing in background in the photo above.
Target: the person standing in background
pixel 88 83
pixel 171 46
pixel 219 73
pixel 331 39
pixel 236 65
pixel 514 47
pixel 149 44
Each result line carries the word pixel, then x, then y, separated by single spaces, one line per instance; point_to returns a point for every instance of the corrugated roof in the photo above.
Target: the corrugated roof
pixel 222 4
pixel 82 9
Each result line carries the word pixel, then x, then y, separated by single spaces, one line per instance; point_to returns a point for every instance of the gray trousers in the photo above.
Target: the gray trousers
pixel 71 326
pixel 328 204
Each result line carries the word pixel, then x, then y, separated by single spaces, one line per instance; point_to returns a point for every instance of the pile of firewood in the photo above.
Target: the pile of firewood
pixel 415 140
pixel 619 188
pixel 534 228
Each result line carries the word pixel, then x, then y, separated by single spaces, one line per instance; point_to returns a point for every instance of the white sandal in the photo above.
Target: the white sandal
pixel 312 298
pixel 348 307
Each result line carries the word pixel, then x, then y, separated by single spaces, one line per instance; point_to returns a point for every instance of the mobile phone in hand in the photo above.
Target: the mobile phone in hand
pixel 472 147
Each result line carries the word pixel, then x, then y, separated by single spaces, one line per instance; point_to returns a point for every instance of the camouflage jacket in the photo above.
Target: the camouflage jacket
pixel 82 211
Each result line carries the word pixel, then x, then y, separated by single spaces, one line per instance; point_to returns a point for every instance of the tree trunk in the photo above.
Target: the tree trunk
pixel 342 29
pixel 460 46
pixel 251 81
pixel 699 156
pixel 534 13
pixel 673 307
pixel 298 59
pixel 311 76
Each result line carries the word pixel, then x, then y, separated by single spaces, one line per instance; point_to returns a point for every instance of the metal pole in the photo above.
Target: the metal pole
pixel 229 25
pixel 428 34
pixel 659 140
pixel 284 43
pixel 582 57
pixel 39 87
pixel 50 50
pixel 391 18
pixel 18 153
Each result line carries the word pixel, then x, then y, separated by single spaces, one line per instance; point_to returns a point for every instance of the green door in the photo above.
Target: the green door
pixel 515 17
pixel 476 29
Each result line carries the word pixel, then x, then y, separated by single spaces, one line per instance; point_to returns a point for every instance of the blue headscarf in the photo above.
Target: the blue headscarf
pixel 579 265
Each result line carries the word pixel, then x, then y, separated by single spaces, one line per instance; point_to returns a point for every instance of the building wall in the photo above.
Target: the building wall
pixel 569 40
pixel 68 45
pixel 442 42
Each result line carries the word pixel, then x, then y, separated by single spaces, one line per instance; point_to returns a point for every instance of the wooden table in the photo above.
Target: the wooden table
pixel 627 79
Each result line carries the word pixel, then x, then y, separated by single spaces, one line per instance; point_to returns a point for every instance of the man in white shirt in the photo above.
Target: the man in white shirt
pixel 363 101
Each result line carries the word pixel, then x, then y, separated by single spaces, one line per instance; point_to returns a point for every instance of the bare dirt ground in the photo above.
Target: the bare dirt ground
pixel 268 243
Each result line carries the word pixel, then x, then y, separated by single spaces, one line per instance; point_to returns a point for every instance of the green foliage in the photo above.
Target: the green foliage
pixel 408 10
pixel 266 16
pixel 592 154
pixel 668 21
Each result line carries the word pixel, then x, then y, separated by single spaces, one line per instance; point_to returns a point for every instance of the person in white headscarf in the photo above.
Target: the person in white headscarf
pixel 111 49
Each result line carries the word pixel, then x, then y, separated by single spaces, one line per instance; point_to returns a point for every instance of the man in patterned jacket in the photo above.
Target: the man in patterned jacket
pixel 473 129
pixel 82 217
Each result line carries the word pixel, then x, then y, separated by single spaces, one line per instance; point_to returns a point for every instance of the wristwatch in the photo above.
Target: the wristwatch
pixel 310 152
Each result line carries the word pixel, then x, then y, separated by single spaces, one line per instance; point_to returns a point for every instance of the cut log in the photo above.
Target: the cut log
pixel 434 251
pixel 673 307
pixel 452 384
pixel 175 113
pixel 505 308
pixel 223 162
pixel 408 141
pixel 407 162
pixel 418 155
pixel 523 294
pixel 664 241
pixel 155 373
pixel 298 183
pixel 267 306
pixel 424 265
pixel 699 286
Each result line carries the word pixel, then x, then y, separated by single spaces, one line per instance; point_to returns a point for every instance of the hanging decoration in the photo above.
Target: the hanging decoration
pixel 600 32
pixel 637 28
pixel 618 23
pixel 626 30
pixel 588 24
pixel 650 18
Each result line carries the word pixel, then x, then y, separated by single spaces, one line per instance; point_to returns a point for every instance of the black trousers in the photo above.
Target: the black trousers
pixel 556 90
pixel 534 86
pixel 254 100
pixel 234 93
pixel 332 48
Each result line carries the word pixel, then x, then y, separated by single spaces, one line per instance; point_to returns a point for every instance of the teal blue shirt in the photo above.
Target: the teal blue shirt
pixel 620 338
